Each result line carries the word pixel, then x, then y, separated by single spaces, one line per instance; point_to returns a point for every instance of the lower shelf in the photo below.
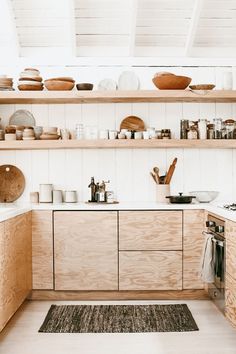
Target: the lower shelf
pixel 117 144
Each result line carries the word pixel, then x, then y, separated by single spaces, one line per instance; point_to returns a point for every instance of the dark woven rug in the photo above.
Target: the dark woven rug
pixel 118 319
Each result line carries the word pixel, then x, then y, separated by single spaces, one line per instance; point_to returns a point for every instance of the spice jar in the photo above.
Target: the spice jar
pixel 192 133
pixel 184 127
pixel 217 128
pixel 202 129
pixel 210 131
pixel 165 134
pixel 229 126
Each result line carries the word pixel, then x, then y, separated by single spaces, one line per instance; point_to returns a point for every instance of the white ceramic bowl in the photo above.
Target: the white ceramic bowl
pixel 204 196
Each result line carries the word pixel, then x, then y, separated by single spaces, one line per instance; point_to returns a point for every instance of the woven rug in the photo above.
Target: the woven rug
pixel 118 319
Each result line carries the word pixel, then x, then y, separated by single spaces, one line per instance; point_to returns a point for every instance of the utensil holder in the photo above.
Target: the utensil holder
pixel 162 190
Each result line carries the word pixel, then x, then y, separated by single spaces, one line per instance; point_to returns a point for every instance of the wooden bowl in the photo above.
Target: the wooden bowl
pixel 84 86
pixel 171 82
pixel 202 87
pixel 30 87
pixel 55 85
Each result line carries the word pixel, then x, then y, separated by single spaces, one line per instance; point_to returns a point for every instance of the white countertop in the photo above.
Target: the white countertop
pixel 8 211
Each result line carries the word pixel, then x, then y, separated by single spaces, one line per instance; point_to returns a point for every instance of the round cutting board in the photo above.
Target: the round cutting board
pixel 12 183
pixel 132 123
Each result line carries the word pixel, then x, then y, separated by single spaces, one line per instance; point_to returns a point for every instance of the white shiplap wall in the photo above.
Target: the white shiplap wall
pixel 127 169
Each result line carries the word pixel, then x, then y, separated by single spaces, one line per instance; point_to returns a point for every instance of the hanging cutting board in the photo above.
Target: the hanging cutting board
pixel 132 123
pixel 12 183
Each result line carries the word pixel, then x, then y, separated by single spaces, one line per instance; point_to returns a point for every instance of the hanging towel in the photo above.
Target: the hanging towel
pixel 207 262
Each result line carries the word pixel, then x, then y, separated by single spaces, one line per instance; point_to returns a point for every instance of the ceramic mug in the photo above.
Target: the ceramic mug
pixel 128 135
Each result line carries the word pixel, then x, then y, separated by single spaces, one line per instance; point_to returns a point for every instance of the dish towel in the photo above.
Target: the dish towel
pixel 207 262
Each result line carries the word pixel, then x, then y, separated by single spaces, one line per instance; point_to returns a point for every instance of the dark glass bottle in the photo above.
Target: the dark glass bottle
pixel 92 186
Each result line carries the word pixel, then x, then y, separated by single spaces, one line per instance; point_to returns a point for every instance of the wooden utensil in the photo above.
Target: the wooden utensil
pixel 154 177
pixel 12 183
pixel 132 123
pixel 156 171
pixel 170 171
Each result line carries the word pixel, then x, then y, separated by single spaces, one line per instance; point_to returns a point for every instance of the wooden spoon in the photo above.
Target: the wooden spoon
pixel 156 171
pixel 170 171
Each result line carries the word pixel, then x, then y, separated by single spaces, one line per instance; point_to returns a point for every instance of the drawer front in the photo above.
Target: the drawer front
pixel 150 270
pixel 150 230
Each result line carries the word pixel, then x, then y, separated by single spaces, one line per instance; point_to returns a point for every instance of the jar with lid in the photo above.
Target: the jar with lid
pixel 202 129
pixel 210 131
pixel 229 126
pixel 184 127
pixel 165 134
pixel 192 133
pixel 217 128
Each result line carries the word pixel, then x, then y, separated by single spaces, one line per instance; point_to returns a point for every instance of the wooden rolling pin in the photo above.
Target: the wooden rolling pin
pixel 170 171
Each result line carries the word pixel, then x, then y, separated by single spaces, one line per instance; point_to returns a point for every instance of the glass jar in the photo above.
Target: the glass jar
pixel 202 129
pixel 184 127
pixel 210 131
pixel 229 129
pixel 192 133
pixel 217 128
pixel 79 131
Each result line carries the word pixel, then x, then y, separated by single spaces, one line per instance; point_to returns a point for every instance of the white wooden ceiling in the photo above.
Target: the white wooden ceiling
pixel 141 28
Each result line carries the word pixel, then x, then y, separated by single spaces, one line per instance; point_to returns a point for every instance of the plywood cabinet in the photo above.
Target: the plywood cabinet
pixel 42 249
pixel 15 264
pixel 150 270
pixel 150 230
pixel 230 281
pixel 193 225
pixel 86 251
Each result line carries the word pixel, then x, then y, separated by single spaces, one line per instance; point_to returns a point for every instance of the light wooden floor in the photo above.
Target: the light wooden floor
pixel 216 336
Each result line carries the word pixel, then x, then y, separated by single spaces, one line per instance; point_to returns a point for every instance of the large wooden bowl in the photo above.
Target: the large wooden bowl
pixel 171 82
pixel 57 85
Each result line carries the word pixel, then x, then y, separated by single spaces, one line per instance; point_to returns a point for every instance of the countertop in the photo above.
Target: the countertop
pixel 8 211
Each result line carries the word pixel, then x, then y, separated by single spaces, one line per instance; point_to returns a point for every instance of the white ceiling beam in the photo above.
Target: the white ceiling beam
pixel 193 26
pixel 133 22
pixel 8 33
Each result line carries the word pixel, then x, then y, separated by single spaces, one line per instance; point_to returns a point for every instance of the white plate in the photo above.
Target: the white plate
pixel 107 84
pixel 128 80
pixel 22 117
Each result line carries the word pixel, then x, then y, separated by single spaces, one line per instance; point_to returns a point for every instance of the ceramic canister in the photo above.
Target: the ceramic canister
pixel 70 197
pixel 45 193
pixel 57 196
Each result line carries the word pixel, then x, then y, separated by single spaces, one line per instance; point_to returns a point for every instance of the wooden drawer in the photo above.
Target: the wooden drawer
pixel 150 230
pixel 231 248
pixel 193 240
pixel 150 270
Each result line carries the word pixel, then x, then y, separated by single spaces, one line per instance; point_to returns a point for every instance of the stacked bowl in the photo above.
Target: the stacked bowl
pixel 30 80
pixel 6 83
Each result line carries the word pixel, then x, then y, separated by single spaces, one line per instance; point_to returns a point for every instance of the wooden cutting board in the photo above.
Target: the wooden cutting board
pixel 12 183
pixel 132 123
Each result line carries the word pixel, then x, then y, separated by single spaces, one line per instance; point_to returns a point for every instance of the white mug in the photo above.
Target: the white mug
pixel 138 135
pixel 70 197
pixel 128 135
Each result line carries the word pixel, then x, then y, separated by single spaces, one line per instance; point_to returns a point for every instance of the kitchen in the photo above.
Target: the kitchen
pixel 116 241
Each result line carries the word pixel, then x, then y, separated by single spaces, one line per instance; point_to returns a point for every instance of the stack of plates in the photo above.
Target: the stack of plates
pixel 6 83
pixel 30 80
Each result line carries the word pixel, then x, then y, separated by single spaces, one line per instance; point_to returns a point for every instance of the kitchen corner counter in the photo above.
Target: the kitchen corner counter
pixel 8 211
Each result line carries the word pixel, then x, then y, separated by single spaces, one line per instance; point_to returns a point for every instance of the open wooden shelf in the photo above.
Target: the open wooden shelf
pixel 61 97
pixel 116 144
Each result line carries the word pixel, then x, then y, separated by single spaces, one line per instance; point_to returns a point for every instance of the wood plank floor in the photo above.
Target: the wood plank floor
pixel 215 334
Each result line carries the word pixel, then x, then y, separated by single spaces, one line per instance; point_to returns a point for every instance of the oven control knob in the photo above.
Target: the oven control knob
pixel 210 223
pixel 219 229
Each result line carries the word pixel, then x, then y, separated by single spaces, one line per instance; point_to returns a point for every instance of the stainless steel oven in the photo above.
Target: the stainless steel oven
pixel 216 289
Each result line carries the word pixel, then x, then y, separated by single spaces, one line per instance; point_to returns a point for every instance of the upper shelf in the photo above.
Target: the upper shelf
pixel 74 96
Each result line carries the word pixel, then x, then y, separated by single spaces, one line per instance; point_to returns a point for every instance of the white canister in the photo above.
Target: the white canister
pixel 162 191
pixel 70 197
pixel 45 193
pixel 57 196
pixel 202 129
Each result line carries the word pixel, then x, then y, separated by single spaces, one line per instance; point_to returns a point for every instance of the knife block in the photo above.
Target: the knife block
pixel 162 190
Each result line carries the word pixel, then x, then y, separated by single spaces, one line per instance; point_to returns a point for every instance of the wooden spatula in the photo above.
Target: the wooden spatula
pixel 170 171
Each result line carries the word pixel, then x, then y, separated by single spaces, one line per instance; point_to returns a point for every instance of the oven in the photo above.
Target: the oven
pixel 216 289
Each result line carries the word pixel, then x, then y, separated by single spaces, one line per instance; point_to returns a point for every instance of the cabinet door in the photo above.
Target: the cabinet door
pixel 231 248
pixel 194 224
pixel 15 264
pixel 230 299
pixel 86 255
pixel 42 249
pixel 150 270
pixel 150 230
